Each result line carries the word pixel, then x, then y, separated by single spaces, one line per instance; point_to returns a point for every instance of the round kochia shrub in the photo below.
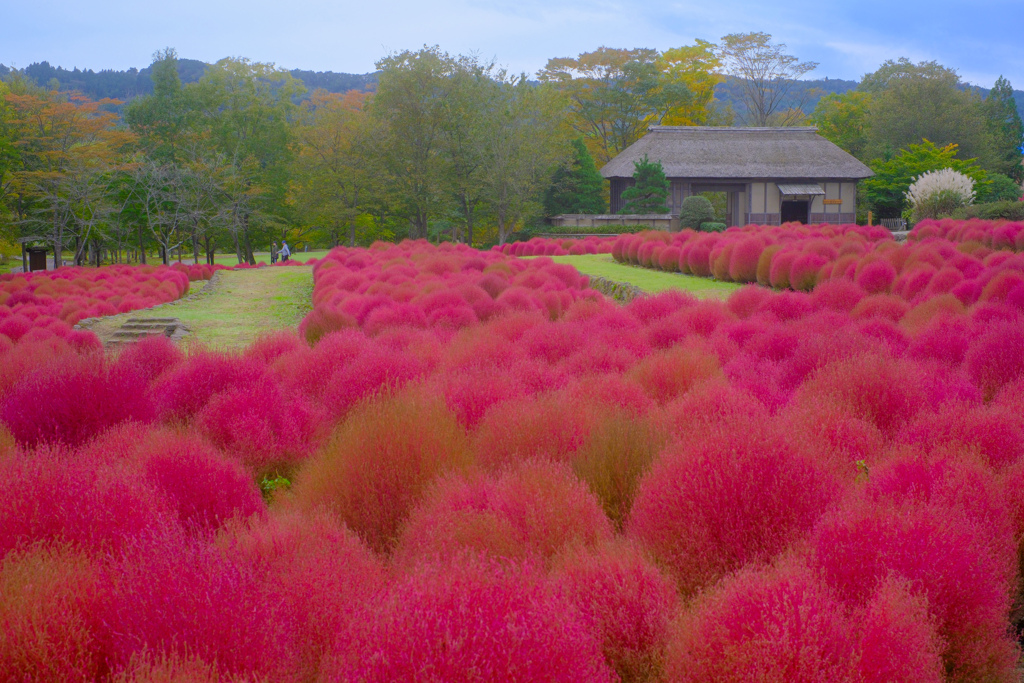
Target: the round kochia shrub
pixel 315 567
pixel 78 501
pixel 470 621
pixel 630 603
pixel 48 601
pixel 73 400
pixel 531 511
pixel 774 625
pixel 374 469
pixel 730 495
pixel 941 554
pixel 166 593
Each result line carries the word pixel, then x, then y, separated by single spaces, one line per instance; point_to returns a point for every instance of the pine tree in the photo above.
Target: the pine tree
pixel 576 187
pixel 649 191
pixel 1006 129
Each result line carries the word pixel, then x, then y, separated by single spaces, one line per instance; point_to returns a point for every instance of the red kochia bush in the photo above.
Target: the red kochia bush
pixel 48 605
pixel 997 358
pixel 167 594
pixel 730 495
pixel 317 568
pixel 74 400
pixel 773 625
pixel 629 601
pixel 79 501
pixel 898 642
pixel 471 621
pixel 265 430
pixel 533 510
pixel 205 488
pixel 184 391
pixel 551 426
pixel 940 553
pixel 374 469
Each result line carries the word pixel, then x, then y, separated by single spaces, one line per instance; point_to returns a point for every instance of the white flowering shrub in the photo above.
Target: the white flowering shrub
pixel 939 193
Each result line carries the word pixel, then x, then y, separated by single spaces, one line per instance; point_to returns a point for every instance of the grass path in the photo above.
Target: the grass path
pixel 602 265
pixel 243 305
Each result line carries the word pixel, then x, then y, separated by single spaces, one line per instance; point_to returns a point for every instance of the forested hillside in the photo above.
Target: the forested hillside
pixel 125 85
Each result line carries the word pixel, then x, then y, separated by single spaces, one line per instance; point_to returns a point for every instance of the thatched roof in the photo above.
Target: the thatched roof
pixel 734 153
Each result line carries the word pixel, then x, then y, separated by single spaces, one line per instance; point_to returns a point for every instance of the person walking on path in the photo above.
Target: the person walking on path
pixel 285 251
pixel 273 253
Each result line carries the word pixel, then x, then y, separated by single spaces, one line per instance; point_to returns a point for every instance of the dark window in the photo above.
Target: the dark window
pixel 795 211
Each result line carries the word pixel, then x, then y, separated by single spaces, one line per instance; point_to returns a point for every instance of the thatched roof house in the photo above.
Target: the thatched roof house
pixel 770 175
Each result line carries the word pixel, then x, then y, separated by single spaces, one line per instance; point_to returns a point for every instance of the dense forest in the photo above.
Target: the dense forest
pixel 125 85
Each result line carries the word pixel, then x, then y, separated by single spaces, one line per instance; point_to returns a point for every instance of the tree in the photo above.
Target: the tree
pixel 649 191
pixel 1000 188
pixel 914 102
pixel 467 118
pixel 576 186
pixel 843 120
pixel 333 177
pixel 767 74
pixel 162 120
pixel 615 95
pixel 66 147
pixel 693 70
pixel 410 107
pixel 525 143
pixel 245 110
pixel 1006 130
pixel 886 190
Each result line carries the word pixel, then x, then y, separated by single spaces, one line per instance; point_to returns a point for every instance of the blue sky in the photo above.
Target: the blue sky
pixel 981 39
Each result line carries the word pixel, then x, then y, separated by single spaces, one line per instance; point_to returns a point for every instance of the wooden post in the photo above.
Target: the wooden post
pixel 24 258
pixel 869 218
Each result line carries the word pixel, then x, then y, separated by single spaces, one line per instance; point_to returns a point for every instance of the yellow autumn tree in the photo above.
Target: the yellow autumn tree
pixel 695 68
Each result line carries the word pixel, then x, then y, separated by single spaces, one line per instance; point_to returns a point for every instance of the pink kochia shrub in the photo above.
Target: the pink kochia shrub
pixel 54 300
pixel 473 467
pixel 472 621
pixel 992 234
pixel 532 511
pixel 727 497
pixel 540 246
pixel 803 258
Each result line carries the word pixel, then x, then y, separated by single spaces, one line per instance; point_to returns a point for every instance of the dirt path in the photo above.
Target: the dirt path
pixel 235 309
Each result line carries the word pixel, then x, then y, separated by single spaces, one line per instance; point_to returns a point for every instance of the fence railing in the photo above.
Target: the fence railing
pixel 894 224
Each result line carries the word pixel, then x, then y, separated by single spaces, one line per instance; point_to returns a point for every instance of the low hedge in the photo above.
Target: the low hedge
pixel 994 211
pixel 612 229
pixel 712 227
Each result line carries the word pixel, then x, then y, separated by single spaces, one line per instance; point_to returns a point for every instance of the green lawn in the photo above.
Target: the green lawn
pixel 602 265
pixel 229 259
pixel 244 305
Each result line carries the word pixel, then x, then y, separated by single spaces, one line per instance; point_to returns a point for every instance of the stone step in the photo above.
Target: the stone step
pixel 152 320
pixel 148 326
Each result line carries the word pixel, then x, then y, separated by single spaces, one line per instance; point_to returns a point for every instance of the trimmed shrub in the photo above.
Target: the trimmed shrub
pixel 74 400
pixel 694 211
pixel 316 568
